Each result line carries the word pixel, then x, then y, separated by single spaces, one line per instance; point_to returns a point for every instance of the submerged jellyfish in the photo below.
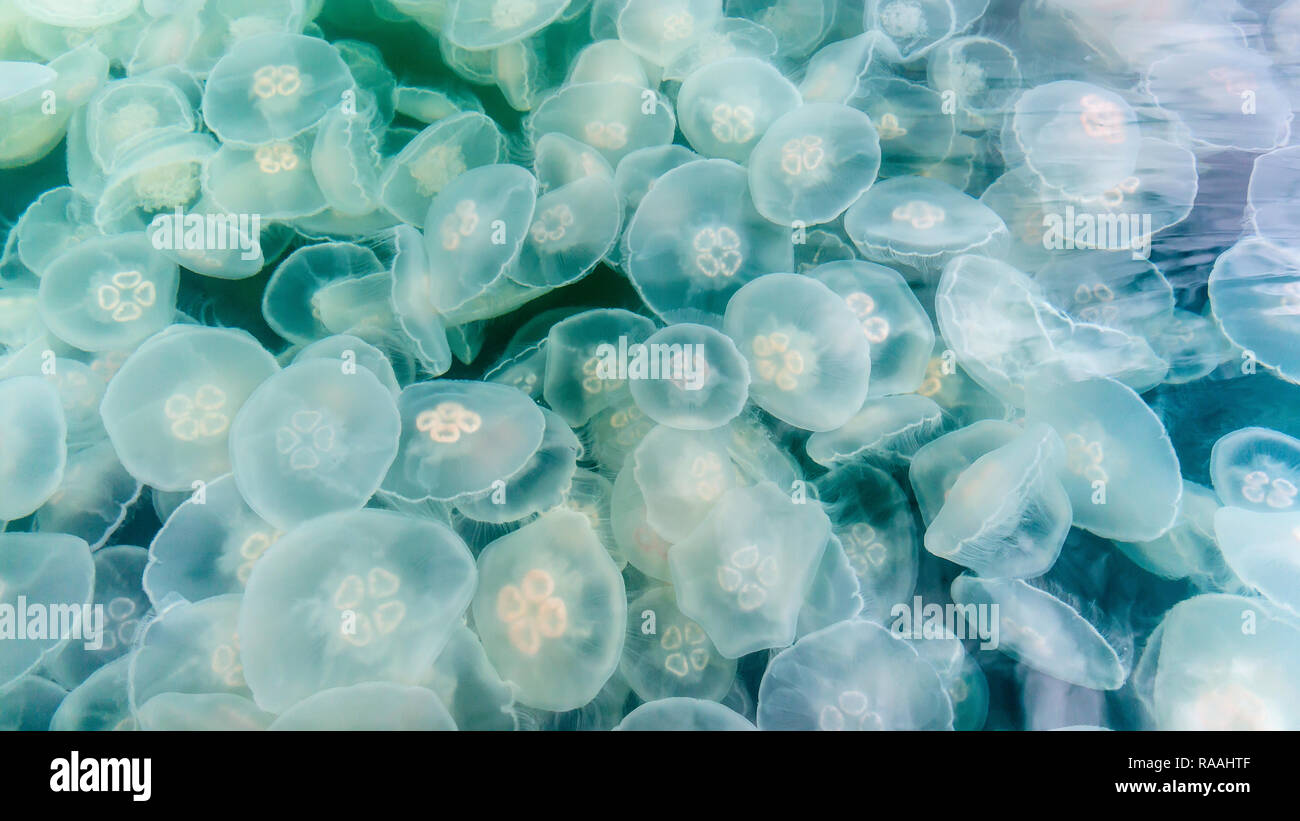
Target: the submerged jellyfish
pixel 125 112
pixel 56 222
pixel 812 163
pixel 681 475
pixel 611 117
pixel 636 539
pixel 376 595
pixel 936 465
pixel 899 330
pixel 109 293
pixel 28 704
pixel 539 485
pixel 921 224
pixel 1273 195
pixel 1254 293
pixel 1257 469
pixel 462 438
pixel 349 352
pixel 745 572
pixel 201 712
pixel 51 570
pixel 551 610
pixel 118 591
pixel 853 675
pixel 94 497
pixel 478 25
pixel 836 593
pixel 1007 514
pixel 290 80
pixel 660 30
pixel 1120 469
pixel 809 361
pixel 982 73
pixel 693 379
pixel 33 445
pixel 667 655
pixel 886 431
pixel 1189 550
pixel 1226 94
pixel 435 157
pixel 688 275
pixel 584 373
pixel 1114 290
pixel 916 133
pixel 411 298
pixel 98 703
pixel 1261 548
pixel 559 160
pixel 467 684
pixel 274 180
pixel 372 705
pixel 916 26
pixel 302 295
pixel 574 226
pixel 684 715
pixel 725 107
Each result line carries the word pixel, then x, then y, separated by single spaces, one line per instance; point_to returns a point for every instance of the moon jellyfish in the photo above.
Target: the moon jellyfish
pixel 836 593
pixel 1120 469
pixel 55 223
pixel 574 226
pixel 667 655
pixel 1260 548
pixel 477 25
pixel 1256 469
pixel 54 572
pixel 274 180
pixel 636 539
pixel 1254 289
pixel 1007 514
pixel 1271 198
pixel 684 715
pixel 688 275
pixel 435 157
pixel 1113 290
pixel 372 596
pixel 118 591
pixel 853 675
pixel 109 293
pixel 659 30
pixel 584 374
pixel 886 431
pixel 168 410
pixel 607 61
pixel 809 361
pixel 100 703
pixel 539 485
pixel 300 295
pixel 1227 95
pixel 28 704
pixel 962 678
pixel 681 475
pixel 812 163
pixel 201 712
pixel 744 573
pixel 371 706
pixel 983 75
pixel 916 26
pixel 290 80
pixel 466 683
pixel 125 112
pixel 412 304
pixel 695 378
pixel 611 117
pixel 33 445
pixel 1190 549
pixel 349 352
pixel 921 224
pixel 936 465
pixel 724 108
pixel 551 611
pixel 916 134
pixel 93 498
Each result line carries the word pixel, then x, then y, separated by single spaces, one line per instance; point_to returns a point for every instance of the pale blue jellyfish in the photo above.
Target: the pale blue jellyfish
pixel 1271 199
pixel 169 409
pixel 551 611
pixel 94 497
pixel 885 431
pixel 559 160
pixel 98 703
pixel 637 540
pixel 109 293
pixel 607 61
pixel 435 157
pixel 372 705
pixel 124 112
pixel 809 362
pixel 1189 550
pixel 608 116
pixel 1257 469
pixel 853 675
pixel 982 74
pixel 161 173
pixel 118 591
pixel 916 134
pixel 56 573
pixel 349 353
pixel 33 130
pixel 372 596
pixel 539 485
pixel 682 475
pixel 695 239
pixel 660 30
pixel 56 222
pixel 961 675
pixel 345 162
pixel 914 27
pixel 1114 290
pixel 836 593
pixel 574 226
pixel 411 300
pixel 640 171
pixel 745 572
pixel 725 107
pixel 1254 291
pixel 693 378
pixel 1228 95
pixel 587 361
pixel 478 25
pixel 1260 548
pixel 33 445
pixel 936 465
pixel 837 71
pixel 684 714
pixel 201 712
pixel 301 296
pixel 274 180
pixel 470 688
pixel 28 704
pixel 667 655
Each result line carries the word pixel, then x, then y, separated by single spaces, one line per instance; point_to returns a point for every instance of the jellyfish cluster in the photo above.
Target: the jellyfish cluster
pixel 649 364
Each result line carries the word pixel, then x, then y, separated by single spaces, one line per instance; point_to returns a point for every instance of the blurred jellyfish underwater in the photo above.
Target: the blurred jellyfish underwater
pixel 649 364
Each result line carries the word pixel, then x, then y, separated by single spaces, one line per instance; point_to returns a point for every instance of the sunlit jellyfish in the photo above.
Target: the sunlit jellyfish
pixel 559 160
pixel 667 655
pixel 169 409
pixel 372 705
pixel 1227 95
pixel 1189 550
pixel 32 129
pixel 835 595
pixel 98 703
pixel 290 80
pixel 835 73
pixel 590 494
pixel 94 497
pixel 118 591
pixel 1274 192
pixel 33 445
pixel 1078 138
pixel 916 135
pixel 885 431
pixel 1225 663
pixel 695 239
pixel 608 116
pixel 1120 468
pixel 916 26
pixel 732 37
pixel 345 162
pixel 56 221
pixel 1044 632
pixel 372 595
pixel 961 676
pixel 274 180
pixel 585 373
pixel 1007 514
pixel 551 611
pixel 607 61
pixel 411 300
pixel 812 163
pixel 659 30
pixel 724 108
pixel 320 289
pixel 349 353
pixel 436 156
pixel 695 379
pixel 462 438
pixel 684 715
pixel 982 74
pixel 899 330
pixel 1261 548
pixel 809 362
pixel 539 485
pixel 682 475
pixel 922 223
pixel 937 464
pixel 1257 469
pixel 1255 295
pixel 124 112
pixel 799 26
pixel 574 226
pixel 314 438
pixel 478 25
pixel 643 546
pixel 208 546
pixel 470 688
pixel 853 675
pixel 745 572
pixel 49 569
pixel 1114 290
pixel 109 293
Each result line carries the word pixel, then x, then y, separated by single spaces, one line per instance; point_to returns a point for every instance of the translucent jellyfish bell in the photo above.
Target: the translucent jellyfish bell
pixel 812 163
pixel 345 162
pixel 885 431
pixel 645 549
pixel 290 80
pixel 1227 95
pixel 681 475
pixel 109 293
pixel 914 26
pixel 52 570
pixel 684 715
pixel 118 591
pixel 478 25
pixel 1007 514
pixel 1120 468
pixel 834 74
pixel 295 301
pixel 607 116
pixel 1254 290
pixel 459 438
pixel 274 180
pixel 56 222
pixel 1261 548
pixel 922 223
pixel 411 297
pixel 667 655
pixel 1190 549
pixel 745 572
pixel 370 706
pixel 124 112
pixel 1110 289
pixel 473 692
pixel 809 361
pixel 1256 469
pixel 349 352
pixel 688 274
pixel 853 675
pixel 660 30
pixel 435 157
pixel 725 107
pixel 94 497
pixel 696 379
pixel 983 74
pixel 1271 198
pixel 899 330
pixel 33 445
pixel 574 226
pixel 168 410
pixel 551 610
pixel 312 439
pixel 375 596
pixel 539 485
pixel 836 593
pixel 937 464
pixel 584 374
